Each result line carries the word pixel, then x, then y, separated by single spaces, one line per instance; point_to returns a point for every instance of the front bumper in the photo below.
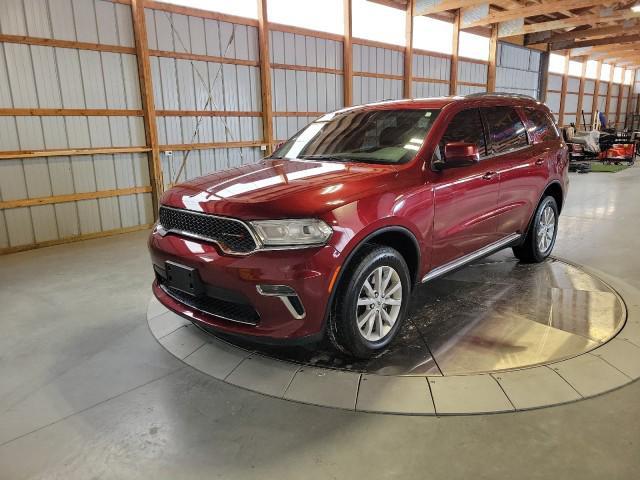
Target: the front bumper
pixel 307 271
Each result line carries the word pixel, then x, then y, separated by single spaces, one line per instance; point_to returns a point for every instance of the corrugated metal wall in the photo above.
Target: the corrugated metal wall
pixel 46 77
pixel 517 70
pixel 472 77
pixel 431 75
pixel 181 84
pixel 554 89
pixel 376 60
pixel 303 90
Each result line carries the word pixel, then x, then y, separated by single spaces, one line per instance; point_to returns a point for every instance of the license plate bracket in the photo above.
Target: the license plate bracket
pixel 183 278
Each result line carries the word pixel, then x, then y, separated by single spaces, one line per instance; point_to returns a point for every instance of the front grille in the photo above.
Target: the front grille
pixel 235 312
pixel 232 235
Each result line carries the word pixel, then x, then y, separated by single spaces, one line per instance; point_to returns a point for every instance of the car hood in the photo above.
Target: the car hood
pixel 280 188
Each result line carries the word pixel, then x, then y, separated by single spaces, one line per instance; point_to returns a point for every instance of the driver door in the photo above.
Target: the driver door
pixel 466 198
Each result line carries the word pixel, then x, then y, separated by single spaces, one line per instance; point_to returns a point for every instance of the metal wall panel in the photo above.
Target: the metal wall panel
pixel 427 66
pixel 554 82
pixel 52 77
pixel 430 89
pixel 187 85
pixel 573 85
pixel 553 101
pixel 472 72
pixel 571 103
pixel 95 21
pixel 470 89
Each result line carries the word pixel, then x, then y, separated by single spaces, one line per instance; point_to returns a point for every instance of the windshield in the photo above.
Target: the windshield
pixel 370 136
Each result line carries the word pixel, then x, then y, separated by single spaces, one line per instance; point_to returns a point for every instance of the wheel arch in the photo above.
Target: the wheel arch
pixel 409 249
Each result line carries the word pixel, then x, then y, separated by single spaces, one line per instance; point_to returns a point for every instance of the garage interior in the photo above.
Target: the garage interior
pixel 106 104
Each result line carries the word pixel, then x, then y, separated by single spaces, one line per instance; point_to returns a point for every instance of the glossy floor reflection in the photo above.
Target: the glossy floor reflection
pixel 496 314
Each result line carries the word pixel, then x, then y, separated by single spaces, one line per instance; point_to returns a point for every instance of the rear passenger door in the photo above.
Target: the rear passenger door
pixel 515 161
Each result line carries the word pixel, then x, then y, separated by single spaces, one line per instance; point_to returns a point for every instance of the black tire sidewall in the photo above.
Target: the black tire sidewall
pixel 380 256
pixel 540 256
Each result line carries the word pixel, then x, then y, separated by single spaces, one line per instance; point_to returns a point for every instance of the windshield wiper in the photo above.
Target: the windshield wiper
pixel 323 157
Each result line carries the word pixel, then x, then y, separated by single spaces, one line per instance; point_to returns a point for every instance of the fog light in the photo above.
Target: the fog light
pixel 287 295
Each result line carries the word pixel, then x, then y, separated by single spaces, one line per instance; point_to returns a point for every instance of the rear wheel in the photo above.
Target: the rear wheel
pixel 541 236
pixel 372 302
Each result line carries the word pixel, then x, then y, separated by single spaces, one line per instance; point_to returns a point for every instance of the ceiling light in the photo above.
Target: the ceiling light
pixel 636 8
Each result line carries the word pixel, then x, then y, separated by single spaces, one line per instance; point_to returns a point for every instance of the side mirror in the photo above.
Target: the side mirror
pixel 460 154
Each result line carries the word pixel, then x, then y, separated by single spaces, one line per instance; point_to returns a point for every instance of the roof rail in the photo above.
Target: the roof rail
pixel 502 95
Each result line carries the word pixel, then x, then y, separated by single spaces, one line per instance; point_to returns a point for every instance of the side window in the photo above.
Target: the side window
pixel 506 130
pixel 541 128
pixel 466 127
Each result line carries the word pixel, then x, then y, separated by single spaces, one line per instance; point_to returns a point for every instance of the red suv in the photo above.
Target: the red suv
pixel 330 234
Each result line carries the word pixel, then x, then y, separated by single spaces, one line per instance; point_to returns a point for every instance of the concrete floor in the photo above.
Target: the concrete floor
pixel 86 392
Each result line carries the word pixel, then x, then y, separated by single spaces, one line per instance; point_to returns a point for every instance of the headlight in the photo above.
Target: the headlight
pixel 280 233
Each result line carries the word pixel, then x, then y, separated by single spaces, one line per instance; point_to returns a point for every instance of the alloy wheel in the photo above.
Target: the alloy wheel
pixel 379 303
pixel 546 229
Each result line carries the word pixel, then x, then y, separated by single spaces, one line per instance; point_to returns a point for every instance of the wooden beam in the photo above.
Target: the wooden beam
pixel 530 11
pixel 373 43
pixel 298 114
pixel 453 71
pixel 571 22
pixel 148 107
pixel 630 97
pixel 279 27
pixel 206 113
pixel 543 78
pixel 50 42
pixel 608 101
pixel 580 93
pixel 68 112
pixel 550 37
pixel 493 53
pixel 265 75
pixel 408 51
pixel 72 197
pixel 181 147
pixel 563 92
pixel 619 104
pixel 596 92
pixel 73 238
pixel 304 68
pixel 430 80
pixel 201 58
pixel 619 40
pixel 66 152
pixel 444 5
pixel 388 76
pixel 347 53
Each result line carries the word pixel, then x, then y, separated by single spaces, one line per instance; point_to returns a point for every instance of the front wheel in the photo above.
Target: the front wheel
pixel 542 233
pixel 371 303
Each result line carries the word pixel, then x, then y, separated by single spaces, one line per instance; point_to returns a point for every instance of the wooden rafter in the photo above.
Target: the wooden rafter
pixel 620 39
pixel 584 33
pixel 573 22
pixel 531 11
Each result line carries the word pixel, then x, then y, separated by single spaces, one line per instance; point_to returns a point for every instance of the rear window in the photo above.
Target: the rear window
pixel 541 128
pixel 506 130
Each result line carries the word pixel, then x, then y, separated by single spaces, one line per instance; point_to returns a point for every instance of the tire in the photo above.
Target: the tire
pixel 344 332
pixel 535 249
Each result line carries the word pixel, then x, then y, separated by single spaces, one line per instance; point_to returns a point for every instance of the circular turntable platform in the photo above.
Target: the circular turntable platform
pixel 495 336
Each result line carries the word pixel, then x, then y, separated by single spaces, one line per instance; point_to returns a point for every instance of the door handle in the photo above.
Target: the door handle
pixel 540 161
pixel 489 175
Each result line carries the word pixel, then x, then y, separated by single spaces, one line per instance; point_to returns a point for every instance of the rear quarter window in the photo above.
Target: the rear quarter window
pixel 541 128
